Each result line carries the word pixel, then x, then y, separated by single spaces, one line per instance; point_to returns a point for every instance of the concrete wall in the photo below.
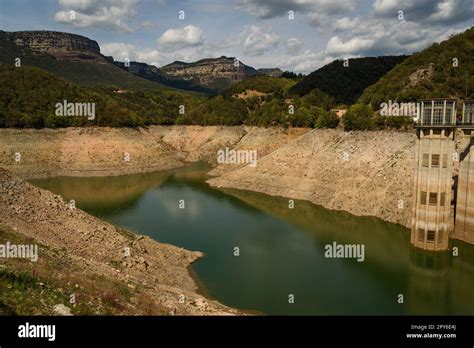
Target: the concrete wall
pixel 464 226
pixel 432 222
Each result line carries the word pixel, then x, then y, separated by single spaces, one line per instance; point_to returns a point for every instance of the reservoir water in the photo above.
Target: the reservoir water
pixel 281 251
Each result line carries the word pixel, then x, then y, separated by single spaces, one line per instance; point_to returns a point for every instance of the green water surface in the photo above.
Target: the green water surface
pixel 281 250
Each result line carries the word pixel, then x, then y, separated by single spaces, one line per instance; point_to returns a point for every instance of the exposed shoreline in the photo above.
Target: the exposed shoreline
pixel 296 163
pixel 299 164
pixel 94 249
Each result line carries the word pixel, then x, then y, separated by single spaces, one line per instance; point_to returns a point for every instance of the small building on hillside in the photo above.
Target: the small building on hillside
pixel 120 91
pixel 339 112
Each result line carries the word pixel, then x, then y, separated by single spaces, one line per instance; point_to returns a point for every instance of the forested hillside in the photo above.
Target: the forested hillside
pixel 347 83
pixel 444 70
pixel 28 96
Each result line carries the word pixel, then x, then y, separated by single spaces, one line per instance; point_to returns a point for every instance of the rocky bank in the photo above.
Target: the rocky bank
pixel 109 270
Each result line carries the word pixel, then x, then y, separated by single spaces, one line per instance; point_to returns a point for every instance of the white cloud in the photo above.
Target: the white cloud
pixel 148 24
pixel 276 8
pixel 121 51
pixel 293 45
pixel 256 41
pixel 317 13
pixel 346 23
pixel 178 38
pixel 304 62
pixel 435 12
pixel 108 14
pixel 190 54
pixel 373 37
pixel 453 11
pixel 336 47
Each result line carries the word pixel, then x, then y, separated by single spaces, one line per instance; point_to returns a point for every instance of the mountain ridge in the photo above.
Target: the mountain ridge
pixel 79 59
pixel 213 73
pixel 73 57
pixel 58 44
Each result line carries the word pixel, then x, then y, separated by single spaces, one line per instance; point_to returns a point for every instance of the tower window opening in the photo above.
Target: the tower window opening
pixel 468 112
pixel 427 107
pixel 431 236
pixel 421 235
pixel 423 197
pixel 438 113
pixel 425 161
pixel 440 236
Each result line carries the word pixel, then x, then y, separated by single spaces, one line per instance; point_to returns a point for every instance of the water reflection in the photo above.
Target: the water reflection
pixel 281 249
pixel 439 283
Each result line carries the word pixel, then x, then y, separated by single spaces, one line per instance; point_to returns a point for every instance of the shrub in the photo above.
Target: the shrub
pixel 301 118
pixel 327 119
pixel 359 117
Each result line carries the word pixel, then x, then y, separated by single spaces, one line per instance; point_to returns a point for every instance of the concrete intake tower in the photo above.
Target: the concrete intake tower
pixel 443 200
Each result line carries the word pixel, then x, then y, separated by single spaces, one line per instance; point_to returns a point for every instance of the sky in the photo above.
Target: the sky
pixel 295 35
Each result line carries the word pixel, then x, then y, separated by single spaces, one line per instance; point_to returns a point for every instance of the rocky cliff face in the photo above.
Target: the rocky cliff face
pixel 152 73
pixel 207 76
pixel 215 73
pixel 57 44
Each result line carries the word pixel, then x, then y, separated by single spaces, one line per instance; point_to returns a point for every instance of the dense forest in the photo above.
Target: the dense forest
pixel 29 96
pixel 444 70
pixel 263 101
pixel 345 81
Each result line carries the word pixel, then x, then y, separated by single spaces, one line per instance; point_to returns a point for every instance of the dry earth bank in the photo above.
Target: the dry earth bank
pixel 82 255
pixel 364 173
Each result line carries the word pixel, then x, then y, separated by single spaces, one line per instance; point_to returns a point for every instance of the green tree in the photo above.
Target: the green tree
pixel 327 119
pixel 359 117
pixel 301 118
